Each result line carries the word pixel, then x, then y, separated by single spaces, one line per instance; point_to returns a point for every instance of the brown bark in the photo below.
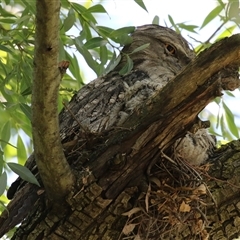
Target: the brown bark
pixel 95 217
pixel 112 168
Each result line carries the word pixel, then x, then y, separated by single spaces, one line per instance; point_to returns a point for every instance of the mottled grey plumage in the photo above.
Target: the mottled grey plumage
pixel 106 102
pixel 195 148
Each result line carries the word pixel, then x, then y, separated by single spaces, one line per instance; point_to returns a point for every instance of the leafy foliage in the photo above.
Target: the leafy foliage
pixel 80 34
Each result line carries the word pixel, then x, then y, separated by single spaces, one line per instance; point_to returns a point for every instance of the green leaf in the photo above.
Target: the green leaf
pixel 113 62
pixel 104 31
pixel 7 20
pixel 95 42
pixel 230 121
pixel 87 56
pixel 140 48
pixel 103 55
pixel 127 67
pixel 75 69
pixel 27 91
pixel 213 14
pixel 69 20
pixel 7 143
pixel 230 94
pixel 173 24
pixel 155 20
pixel 26 110
pixel 78 7
pixel 5 13
pixel 189 28
pixel 97 9
pixel 22 19
pixel 3 183
pixel 233 9
pixel 84 15
pixel 119 32
pixel 5 134
pixel 5 49
pixel 1 161
pixel 21 150
pixel 227 32
pixel 123 39
pixel 23 172
pixel 141 4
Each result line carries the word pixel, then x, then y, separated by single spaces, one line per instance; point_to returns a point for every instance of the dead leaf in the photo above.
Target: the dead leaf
pixel 184 207
pixel 200 190
pixel 131 212
pixel 137 237
pixel 128 228
pixel 147 197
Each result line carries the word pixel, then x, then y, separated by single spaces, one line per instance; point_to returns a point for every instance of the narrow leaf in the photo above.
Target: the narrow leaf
pixel 5 134
pixel 95 42
pixel 189 28
pixel 23 172
pixel 26 110
pixel 104 31
pixel 124 30
pixel 155 20
pixel 103 55
pixel 140 48
pixel 113 62
pixel 233 11
pixel 88 57
pixel 141 4
pixel 3 183
pixel 230 121
pixel 5 49
pixel 227 32
pixel 173 23
pixel 69 20
pixel 21 150
pixel 127 67
pixel 97 9
pixel 213 14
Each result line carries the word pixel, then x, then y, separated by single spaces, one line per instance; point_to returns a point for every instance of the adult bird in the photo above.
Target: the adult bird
pixel 100 107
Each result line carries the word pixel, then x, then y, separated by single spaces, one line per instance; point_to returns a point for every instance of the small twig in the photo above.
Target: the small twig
pixel 85 129
pixel 210 38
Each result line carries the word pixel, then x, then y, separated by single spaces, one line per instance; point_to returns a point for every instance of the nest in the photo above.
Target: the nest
pixel 174 206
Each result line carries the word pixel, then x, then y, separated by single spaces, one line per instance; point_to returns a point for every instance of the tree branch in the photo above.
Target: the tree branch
pixel 157 123
pixel 53 167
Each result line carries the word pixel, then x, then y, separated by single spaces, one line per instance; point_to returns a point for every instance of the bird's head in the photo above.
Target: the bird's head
pixel 166 49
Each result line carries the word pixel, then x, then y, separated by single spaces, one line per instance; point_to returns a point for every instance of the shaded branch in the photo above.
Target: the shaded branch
pixel 53 167
pixel 194 87
pixel 167 116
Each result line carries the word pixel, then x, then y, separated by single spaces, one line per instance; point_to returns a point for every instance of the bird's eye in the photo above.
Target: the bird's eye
pixel 170 48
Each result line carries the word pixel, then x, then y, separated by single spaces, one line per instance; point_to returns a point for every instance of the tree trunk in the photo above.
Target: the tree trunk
pixel 127 184
pixel 90 215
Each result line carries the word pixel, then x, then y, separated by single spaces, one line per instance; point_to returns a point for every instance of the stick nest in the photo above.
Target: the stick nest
pixel 174 205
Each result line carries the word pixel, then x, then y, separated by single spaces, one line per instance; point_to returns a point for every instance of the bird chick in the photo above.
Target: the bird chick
pixel 195 148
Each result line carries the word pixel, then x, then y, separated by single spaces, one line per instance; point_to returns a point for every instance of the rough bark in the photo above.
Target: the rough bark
pixel 94 217
pixel 112 167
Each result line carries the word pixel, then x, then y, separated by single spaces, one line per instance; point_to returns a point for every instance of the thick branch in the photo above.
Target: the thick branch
pixel 188 93
pixel 195 79
pixel 157 123
pixel 53 167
